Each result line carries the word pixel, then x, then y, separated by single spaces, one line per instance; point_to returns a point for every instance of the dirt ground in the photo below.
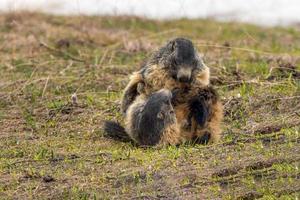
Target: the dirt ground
pixel 60 77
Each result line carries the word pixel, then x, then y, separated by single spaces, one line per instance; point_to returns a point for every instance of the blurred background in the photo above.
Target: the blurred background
pixel 267 12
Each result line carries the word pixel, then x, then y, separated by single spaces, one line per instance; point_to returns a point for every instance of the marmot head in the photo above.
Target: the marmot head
pixel 180 59
pixel 158 110
pixel 160 103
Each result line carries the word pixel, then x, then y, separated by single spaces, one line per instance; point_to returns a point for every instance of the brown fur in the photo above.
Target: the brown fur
pixel 213 124
pixel 214 121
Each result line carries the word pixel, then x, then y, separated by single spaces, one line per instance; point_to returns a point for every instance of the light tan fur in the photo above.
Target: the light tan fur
pixel 203 77
pixel 171 136
pixel 134 80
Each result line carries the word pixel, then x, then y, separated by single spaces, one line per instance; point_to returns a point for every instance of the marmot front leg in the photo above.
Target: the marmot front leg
pixel 206 112
pixel 199 111
pixel 131 91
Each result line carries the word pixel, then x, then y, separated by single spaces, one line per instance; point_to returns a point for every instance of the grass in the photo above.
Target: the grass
pixel 53 148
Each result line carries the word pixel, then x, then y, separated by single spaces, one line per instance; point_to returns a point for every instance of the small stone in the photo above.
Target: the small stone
pixel 48 179
pixel 74 99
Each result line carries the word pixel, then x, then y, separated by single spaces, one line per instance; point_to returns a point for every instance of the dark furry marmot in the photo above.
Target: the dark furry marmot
pixel 152 120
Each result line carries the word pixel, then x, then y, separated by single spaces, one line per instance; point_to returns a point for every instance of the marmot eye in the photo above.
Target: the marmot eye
pixel 160 115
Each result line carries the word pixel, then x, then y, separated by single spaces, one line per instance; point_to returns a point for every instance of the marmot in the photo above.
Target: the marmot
pixel 178 68
pixel 150 121
pixel 175 65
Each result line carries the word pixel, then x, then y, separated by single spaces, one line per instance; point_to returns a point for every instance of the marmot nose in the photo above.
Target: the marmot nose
pixel 183 79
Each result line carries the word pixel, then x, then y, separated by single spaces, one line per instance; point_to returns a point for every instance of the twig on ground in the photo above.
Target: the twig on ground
pixel 160 33
pixel 62 52
pixel 285 98
pixel 67 67
pixel 234 48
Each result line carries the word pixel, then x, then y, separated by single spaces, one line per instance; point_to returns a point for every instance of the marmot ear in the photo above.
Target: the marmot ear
pixel 172 45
